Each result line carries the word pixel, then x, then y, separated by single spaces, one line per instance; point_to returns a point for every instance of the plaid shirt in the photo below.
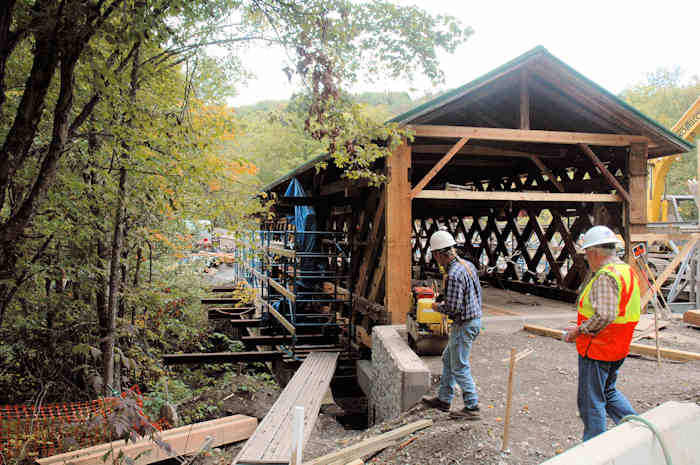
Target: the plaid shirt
pixel 604 300
pixel 462 292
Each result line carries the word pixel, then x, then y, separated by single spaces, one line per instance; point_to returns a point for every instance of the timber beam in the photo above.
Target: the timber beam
pixel 221 357
pixel 522 135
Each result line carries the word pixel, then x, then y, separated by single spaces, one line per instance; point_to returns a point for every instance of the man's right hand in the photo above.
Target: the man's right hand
pixel 571 334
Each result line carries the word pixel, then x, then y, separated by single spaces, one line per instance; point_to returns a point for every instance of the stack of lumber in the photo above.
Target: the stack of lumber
pixel 181 441
pixel 272 441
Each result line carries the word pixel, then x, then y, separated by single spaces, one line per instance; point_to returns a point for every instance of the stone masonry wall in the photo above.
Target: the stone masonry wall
pixel 400 376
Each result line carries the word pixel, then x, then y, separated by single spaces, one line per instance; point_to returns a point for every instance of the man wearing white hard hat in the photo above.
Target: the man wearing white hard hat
pixel 463 305
pixel 608 311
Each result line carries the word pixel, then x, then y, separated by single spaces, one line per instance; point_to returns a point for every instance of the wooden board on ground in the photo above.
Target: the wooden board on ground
pixel 692 317
pixel 640 349
pixel 183 440
pixel 369 446
pixel 221 357
pixel 307 388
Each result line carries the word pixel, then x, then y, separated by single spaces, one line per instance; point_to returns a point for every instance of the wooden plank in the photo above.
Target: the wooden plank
pixel 221 357
pixel 281 251
pixel 282 289
pixel 183 440
pixel 640 349
pixel 517 196
pixel 371 445
pixel 245 323
pixel 657 237
pixel 669 270
pixel 307 388
pixel 398 221
pixel 605 172
pixel 283 321
pixel 287 339
pixel 521 135
pixel 228 313
pixel 692 317
pixel 220 301
pixel 438 166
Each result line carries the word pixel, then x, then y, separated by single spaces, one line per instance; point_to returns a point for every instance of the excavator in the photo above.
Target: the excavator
pixel 688 128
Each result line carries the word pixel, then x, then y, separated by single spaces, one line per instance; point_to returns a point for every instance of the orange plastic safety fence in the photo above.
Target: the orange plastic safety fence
pixel 31 432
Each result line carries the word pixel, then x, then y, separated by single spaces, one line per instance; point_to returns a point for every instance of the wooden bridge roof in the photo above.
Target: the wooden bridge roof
pixel 560 99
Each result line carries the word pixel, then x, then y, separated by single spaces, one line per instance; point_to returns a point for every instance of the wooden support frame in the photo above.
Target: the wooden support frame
pixel 638 157
pixel 543 168
pixel 371 248
pixel 669 270
pixel 517 196
pixel 521 135
pixel 283 321
pixel 398 235
pixel 605 172
pixel 438 166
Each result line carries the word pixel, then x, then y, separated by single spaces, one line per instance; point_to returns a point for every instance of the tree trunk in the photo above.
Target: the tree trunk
pixel 113 288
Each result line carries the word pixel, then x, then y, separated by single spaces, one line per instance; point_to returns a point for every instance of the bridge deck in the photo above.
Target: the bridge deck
pixel 272 440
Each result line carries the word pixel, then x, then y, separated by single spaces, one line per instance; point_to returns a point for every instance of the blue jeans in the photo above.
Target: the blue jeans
pixel 597 395
pixel 455 363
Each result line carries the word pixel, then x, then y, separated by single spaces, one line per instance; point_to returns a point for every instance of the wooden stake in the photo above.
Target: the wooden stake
pixel 509 399
pixel 297 435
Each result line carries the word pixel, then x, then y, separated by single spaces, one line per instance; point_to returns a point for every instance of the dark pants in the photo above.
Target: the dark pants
pixel 597 395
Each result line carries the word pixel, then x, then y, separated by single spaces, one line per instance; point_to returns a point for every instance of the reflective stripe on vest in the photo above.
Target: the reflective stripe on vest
pixel 612 343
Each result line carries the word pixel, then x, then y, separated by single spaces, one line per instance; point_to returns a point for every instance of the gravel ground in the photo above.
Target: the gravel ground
pixel 544 419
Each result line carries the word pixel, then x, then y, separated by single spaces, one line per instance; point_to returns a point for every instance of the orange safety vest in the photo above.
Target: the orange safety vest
pixel 613 342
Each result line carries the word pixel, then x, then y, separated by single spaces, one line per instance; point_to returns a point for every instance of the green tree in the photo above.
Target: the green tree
pixel 664 96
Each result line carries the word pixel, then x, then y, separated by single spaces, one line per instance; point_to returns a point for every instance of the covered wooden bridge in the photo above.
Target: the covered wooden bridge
pixel 516 164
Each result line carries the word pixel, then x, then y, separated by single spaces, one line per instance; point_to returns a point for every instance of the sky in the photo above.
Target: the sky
pixel 614 43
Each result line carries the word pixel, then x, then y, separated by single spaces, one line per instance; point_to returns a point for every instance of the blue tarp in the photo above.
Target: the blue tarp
pixel 304 219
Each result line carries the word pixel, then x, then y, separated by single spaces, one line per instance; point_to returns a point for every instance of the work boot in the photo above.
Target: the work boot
pixel 467 413
pixel 435 402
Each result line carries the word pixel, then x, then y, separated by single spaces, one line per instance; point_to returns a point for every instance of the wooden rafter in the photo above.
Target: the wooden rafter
pixel 438 166
pixel 546 171
pixel 524 100
pixel 521 135
pixel 605 172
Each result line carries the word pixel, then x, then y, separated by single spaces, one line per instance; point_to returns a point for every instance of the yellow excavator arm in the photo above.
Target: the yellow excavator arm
pixel 688 128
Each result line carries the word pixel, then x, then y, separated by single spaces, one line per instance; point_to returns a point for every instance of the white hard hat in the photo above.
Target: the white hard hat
pixel 599 235
pixel 441 240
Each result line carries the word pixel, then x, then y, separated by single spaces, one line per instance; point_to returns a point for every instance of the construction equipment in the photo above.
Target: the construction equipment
pixel 427 328
pixel 688 128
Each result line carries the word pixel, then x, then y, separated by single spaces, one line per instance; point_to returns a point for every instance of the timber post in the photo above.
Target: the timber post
pixel 398 235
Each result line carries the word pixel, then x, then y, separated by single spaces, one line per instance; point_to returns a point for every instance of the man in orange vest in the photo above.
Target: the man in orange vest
pixel 608 311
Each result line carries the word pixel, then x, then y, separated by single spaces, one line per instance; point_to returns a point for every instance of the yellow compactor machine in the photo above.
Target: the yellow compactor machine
pixel 427 329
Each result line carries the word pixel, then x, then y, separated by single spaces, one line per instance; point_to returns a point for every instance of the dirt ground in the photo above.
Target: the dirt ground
pixel 544 419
